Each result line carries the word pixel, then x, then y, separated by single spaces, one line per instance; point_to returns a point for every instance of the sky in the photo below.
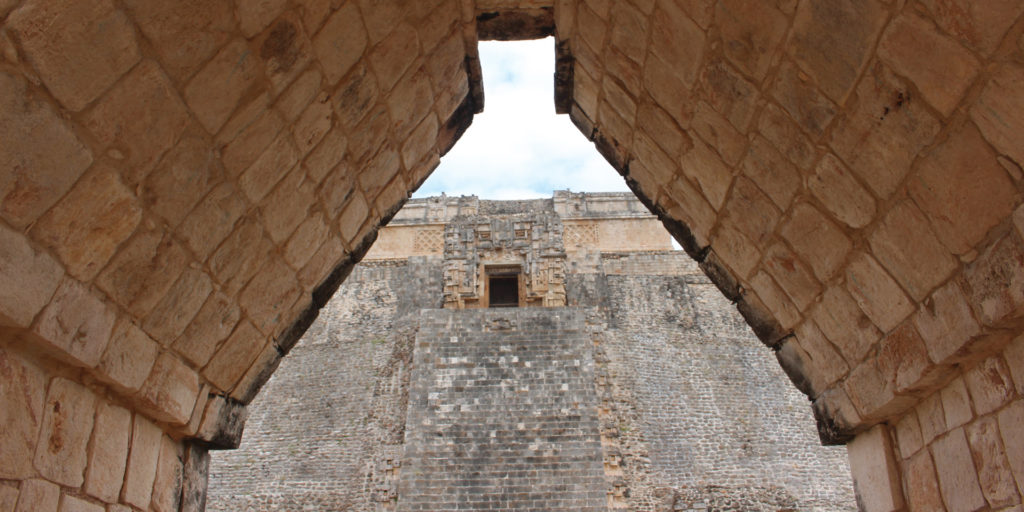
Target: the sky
pixel 517 148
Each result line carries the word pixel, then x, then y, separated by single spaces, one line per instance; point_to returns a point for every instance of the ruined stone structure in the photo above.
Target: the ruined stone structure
pixel 184 184
pixel 647 393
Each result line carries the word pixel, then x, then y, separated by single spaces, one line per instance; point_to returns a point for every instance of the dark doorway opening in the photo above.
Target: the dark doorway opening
pixel 504 291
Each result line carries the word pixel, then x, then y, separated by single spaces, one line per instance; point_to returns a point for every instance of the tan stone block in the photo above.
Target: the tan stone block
pixel 212 220
pixel 129 357
pixel 702 165
pixel 176 310
pixel 922 487
pixel 826 361
pixel 691 208
pixel 834 185
pixel 22 394
pixel 817 240
pixel 353 216
pixel 719 133
pixel 214 92
pixel 886 130
pixel 908 436
pixel 772 172
pixel 248 133
pixel 181 179
pixel 956 403
pixel 86 227
pixel 355 98
pixel 76 325
pixel 662 129
pixel 30 279
pixel 293 101
pixel 999 111
pixel 322 263
pixel 336 190
pixel 409 103
pixel 308 237
pixel 341 42
pixel 753 30
pixel 876 480
pixel 235 356
pixel 792 275
pixel 845 324
pixel 994 473
pixel 8 498
pixel 287 205
pixel 958 481
pixel 729 94
pixel 442 17
pixel 78 48
pixel 995 282
pixel 873 393
pixel 798 367
pixel 946 324
pixel 629 23
pixel 940 68
pixel 446 62
pixel 420 142
pixel 108 453
pixel 41 156
pixel 70 503
pixel 751 211
pixel 777 127
pixel 259 371
pixel 1011 430
pixel 877 294
pixel 185 34
pixel 392 197
pixel 61 452
pixel 379 171
pixel 797 93
pixel 142 117
pixel 169 470
pixel 239 255
pixel 169 393
pixel 775 300
pixel 663 86
pixel 270 295
pixel 1014 354
pixel 833 41
pixel 903 360
pixel 395 55
pixel 313 124
pixel 38 495
pixel 990 385
pixel 144 269
pixel 592 26
pixel 276 161
pixel 904 243
pixel 326 156
pixel 286 51
pixel 931 417
pixel 213 324
pixel 978 26
pixel 963 189
pixel 142 460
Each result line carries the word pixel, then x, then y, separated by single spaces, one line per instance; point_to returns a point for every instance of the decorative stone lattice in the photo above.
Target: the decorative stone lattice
pixel 428 240
pixel 581 235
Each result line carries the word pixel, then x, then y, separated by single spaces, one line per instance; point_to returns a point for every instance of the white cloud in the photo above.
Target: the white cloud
pixel 518 148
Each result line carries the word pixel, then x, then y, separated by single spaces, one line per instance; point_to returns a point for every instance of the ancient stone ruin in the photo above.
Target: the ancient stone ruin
pixel 184 184
pixel 640 389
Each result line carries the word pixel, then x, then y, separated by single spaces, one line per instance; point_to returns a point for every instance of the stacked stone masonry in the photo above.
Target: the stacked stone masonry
pixel 182 184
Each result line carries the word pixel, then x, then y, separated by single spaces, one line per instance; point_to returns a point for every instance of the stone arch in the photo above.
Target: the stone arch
pixel 184 184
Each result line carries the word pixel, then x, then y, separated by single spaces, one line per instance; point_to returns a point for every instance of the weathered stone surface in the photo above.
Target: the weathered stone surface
pixel 185 34
pixel 31 276
pixel 903 359
pixel 108 453
pixel 922 487
pixel 979 27
pixel 341 42
pixel 946 324
pixel 76 323
pixel 908 436
pixel 38 495
pixel 877 294
pixel 214 92
pixel 792 275
pixel 184 176
pixel 994 474
pixel 676 39
pixel 287 205
pixel 144 269
pixel 177 309
pixel 22 392
pixel 875 475
pixel 129 357
pixel 234 357
pixel 990 385
pixel 86 227
pixel 271 167
pixel 8 498
pixel 999 112
pixel 931 417
pixel 847 200
pixel 796 93
pixel 41 155
pixel 211 325
pixel 707 169
pixel 1014 355
pixel 956 403
pixel 270 296
pixel 771 172
pixel 78 48
pixel 826 361
pixel 817 240
pixel 313 124
pixel 167 483
pixel 958 481
pixel 170 391
pixel 995 281
pixel 142 460
pixel 843 322
pixel 67 423
pixel 69 503
pixel 394 55
pixel 212 220
pixel 753 31
pixel 872 393
pixel 904 243
pixel 1010 421
pixel 238 257
pixel 776 300
pixel 285 50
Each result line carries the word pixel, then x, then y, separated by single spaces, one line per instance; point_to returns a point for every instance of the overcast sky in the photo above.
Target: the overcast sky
pixel 518 148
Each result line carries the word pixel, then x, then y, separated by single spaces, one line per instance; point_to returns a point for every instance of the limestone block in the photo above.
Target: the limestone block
pixel 876 479
pixel 446 63
pixel 946 324
pixel 772 172
pixel 270 295
pixel 958 480
pixel 1014 355
pixel 395 55
pixel 908 437
pixel 660 127
pixel 921 484
pixel 67 423
pixel 86 227
pixel 285 49
pixel 259 372
pixel 214 92
pixel 832 41
pixel 817 240
pixel 826 361
pixel 753 31
pixel 410 102
pixel 70 503
pixel 878 295
pixel 185 174
pixel 792 275
pixel 142 460
pixel 392 197
pixel 129 357
pixel 142 117
pixel 994 473
pixel 751 211
pixel 369 135
pixel 847 200
pixel 719 133
pixel 990 385
pixel 184 34
pixel 41 156
pixel 873 394
pixel 234 357
pixel 167 483
pixel 903 360
pixel 79 48
pixel 956 404
pixel 108 453
pixel 212 220
pixel 314 123
pixel 379 171
pixel 692 209
pixel 904 243
pixel 592 25
pixel 38 495
pixel 76 325
pixel 777 127
pixel 322 263
pixel 775 300
pixel 978 26
pixel 336 190
pixel 1011 429
pixel 8 498
pixel 294 100
pixel 274 164
pixel 170 391
pixel 355 98
pixel 963 189
pixel 214 323
pixel 702 165
pixel 999 111
pixel 239 256
pixel 326 157
pixel 421 142
pixel 845 325
pixel 940 68
pixel 931 417
pixel 177 309
pixel 248 133
pixel 341 42
pixel 797 93
pixel 307 239
pixel 995 281
pixel 31 277
pixel 287 205
pixel 144 269
pixel 22 392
